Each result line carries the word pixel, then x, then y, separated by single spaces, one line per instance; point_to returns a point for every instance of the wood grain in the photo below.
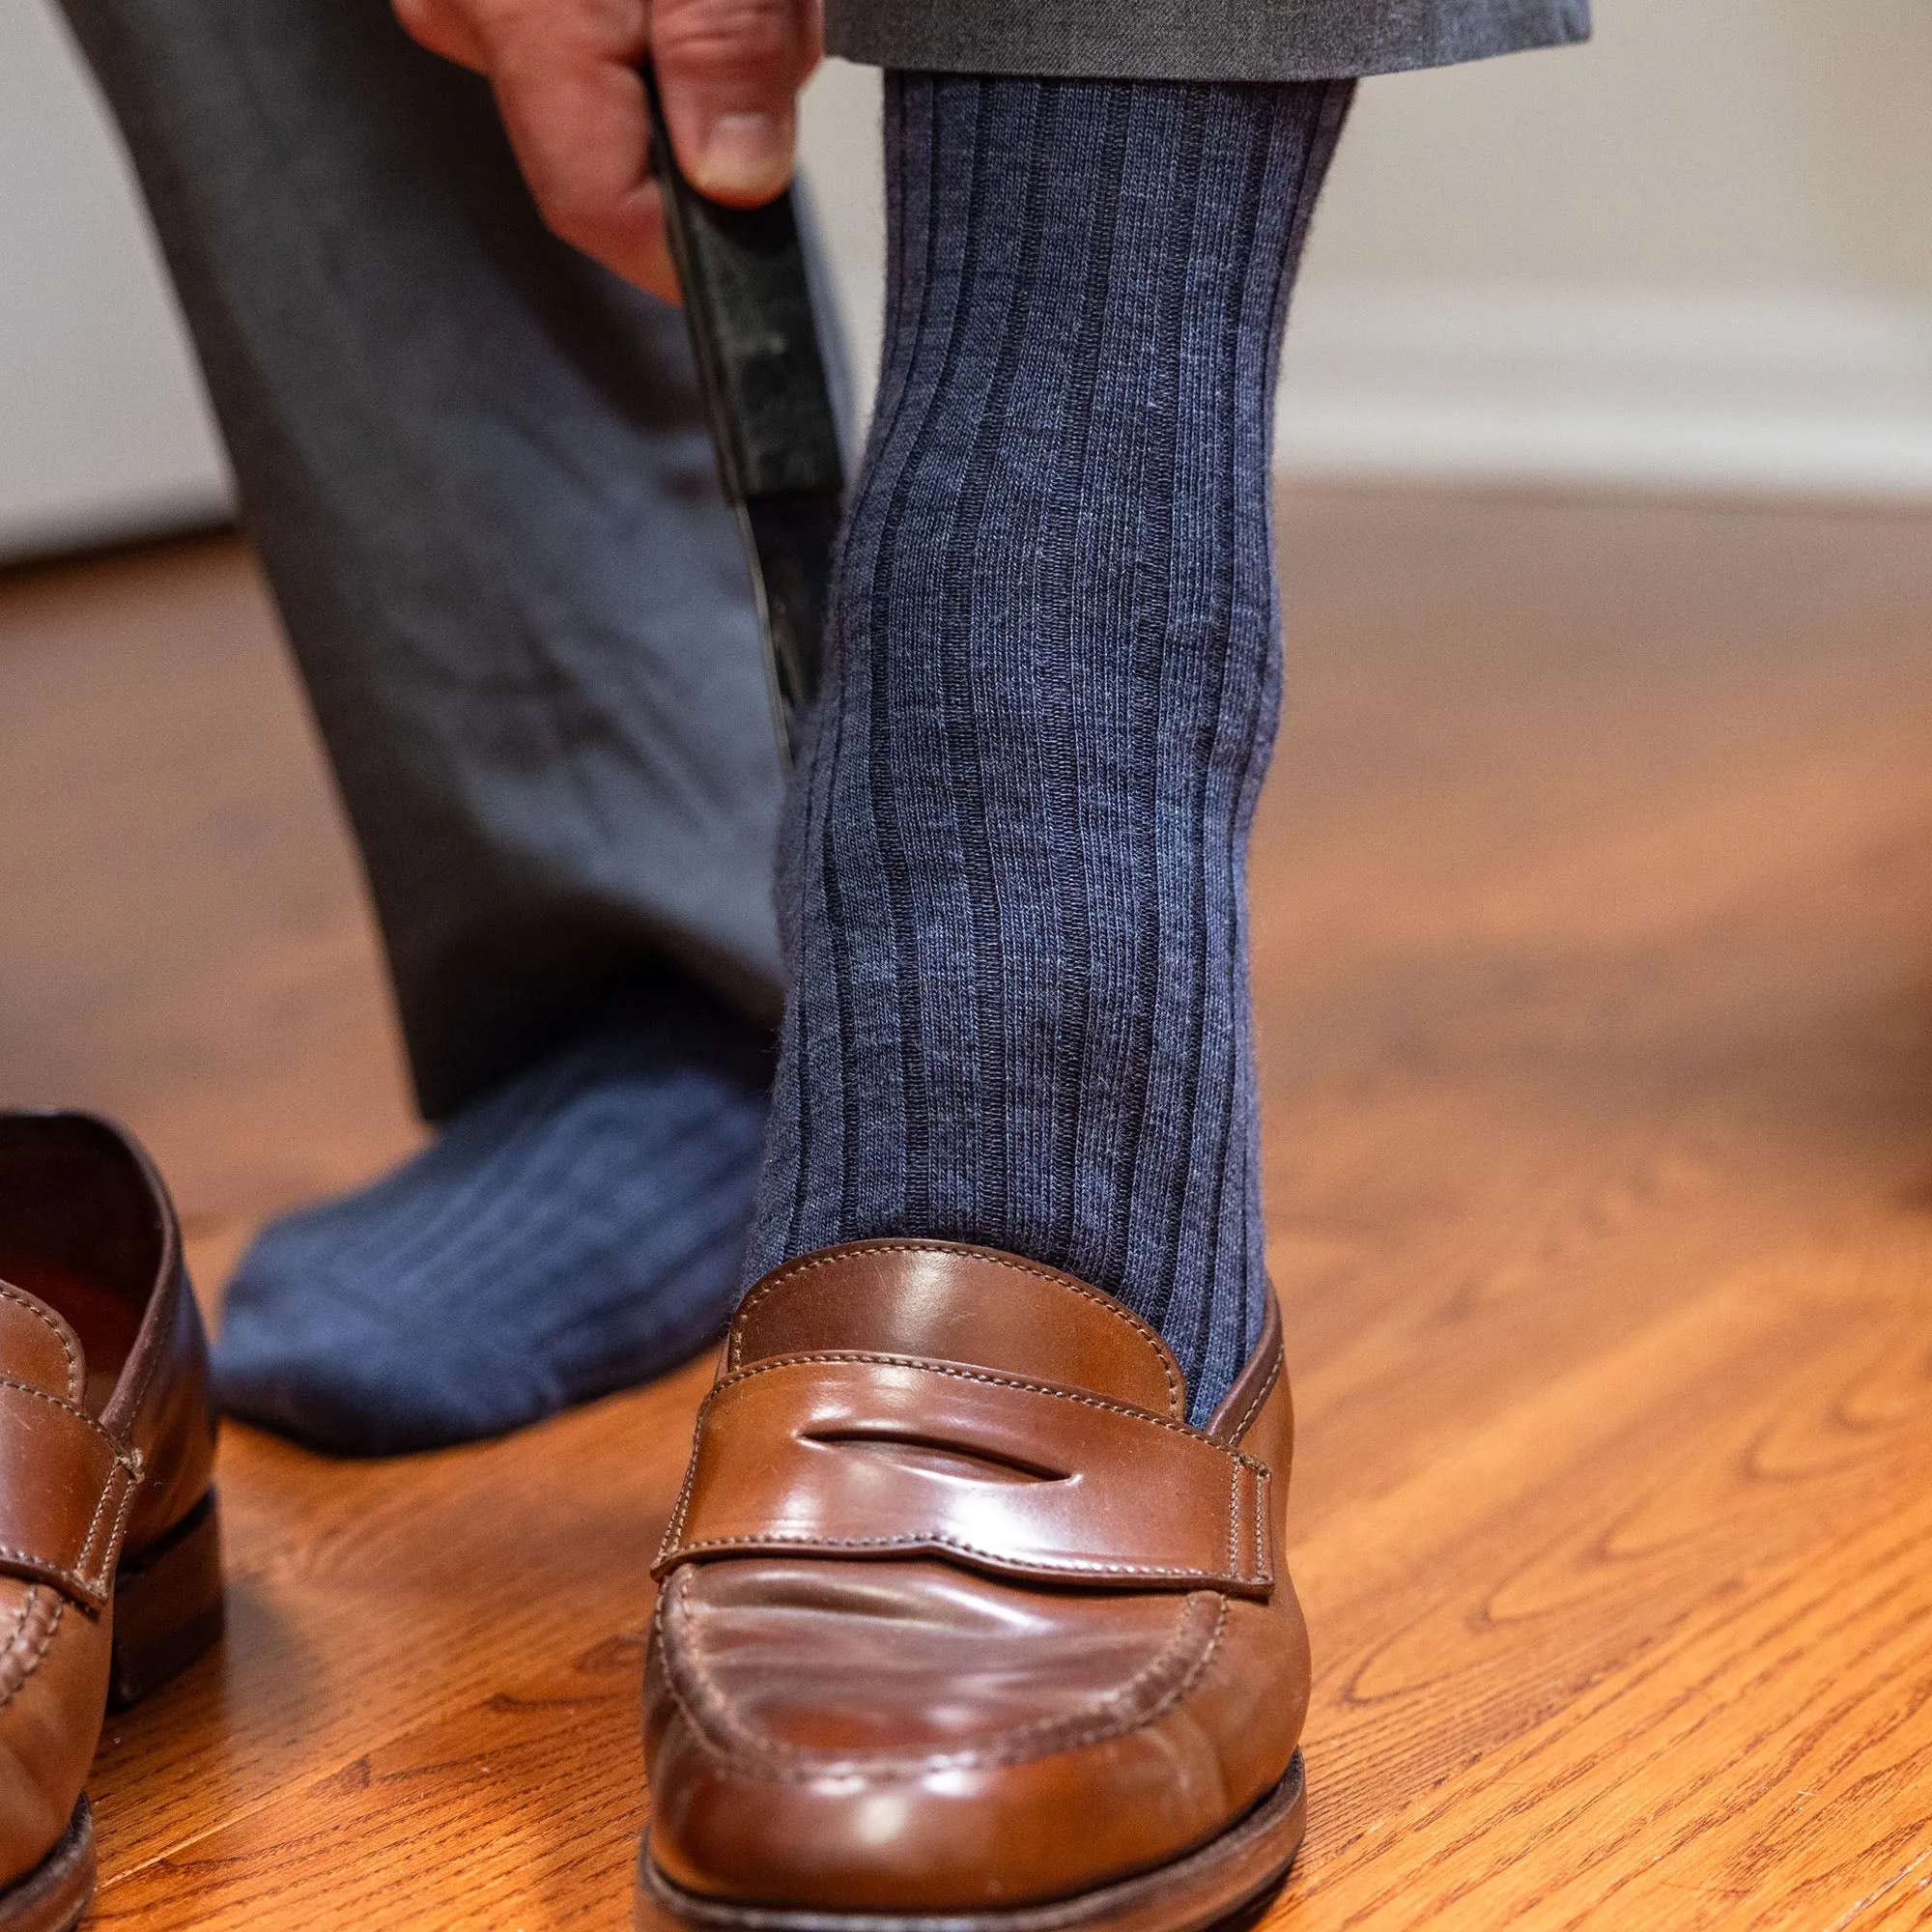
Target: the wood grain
pixel 1593 943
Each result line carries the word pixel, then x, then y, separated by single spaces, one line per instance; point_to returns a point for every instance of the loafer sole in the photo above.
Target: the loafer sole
pixel 1212 1884
pixel 56 1894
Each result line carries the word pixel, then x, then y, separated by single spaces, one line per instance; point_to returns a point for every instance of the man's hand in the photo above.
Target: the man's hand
pixel 565 73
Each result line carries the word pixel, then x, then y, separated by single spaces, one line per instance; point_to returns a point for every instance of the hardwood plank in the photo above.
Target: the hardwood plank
pixel 1593 960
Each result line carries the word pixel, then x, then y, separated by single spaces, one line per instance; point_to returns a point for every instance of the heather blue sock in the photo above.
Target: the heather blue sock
pixel 1012 870
pixel 578 1229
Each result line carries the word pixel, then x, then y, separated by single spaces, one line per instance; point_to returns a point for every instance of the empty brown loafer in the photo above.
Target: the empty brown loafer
pixel 960 1621
pixel 110 1568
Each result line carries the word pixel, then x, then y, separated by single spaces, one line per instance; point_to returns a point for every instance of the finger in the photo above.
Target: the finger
pixel 730 72
pixel 440 27
pixel 576 116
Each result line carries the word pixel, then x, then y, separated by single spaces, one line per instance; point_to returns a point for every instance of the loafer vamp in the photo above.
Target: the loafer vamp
pixel 843 1663
pixel 895 1736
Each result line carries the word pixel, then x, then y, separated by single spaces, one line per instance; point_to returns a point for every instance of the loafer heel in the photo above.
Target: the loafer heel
pixel 168 1605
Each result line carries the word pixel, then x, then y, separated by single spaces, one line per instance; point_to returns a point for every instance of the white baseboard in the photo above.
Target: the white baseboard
pixel 1786 396
pixel 1764 396
pixel 114 514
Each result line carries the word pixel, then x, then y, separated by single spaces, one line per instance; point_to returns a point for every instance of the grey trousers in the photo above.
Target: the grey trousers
pixel 476 471
pixel 1196 39
pixel 477 474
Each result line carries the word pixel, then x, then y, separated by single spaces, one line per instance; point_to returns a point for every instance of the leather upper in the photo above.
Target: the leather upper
pixel 956 1610
pixel 65 1483
pixel 106 1439
pixel 819 1453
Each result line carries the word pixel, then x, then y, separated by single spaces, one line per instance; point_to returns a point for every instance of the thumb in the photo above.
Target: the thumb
pixel 729 72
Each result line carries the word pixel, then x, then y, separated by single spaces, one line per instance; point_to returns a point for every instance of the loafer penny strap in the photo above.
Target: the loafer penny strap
pixel 66 1488
pixel 854 1454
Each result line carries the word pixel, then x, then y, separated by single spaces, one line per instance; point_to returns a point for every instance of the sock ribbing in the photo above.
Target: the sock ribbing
pixel 574 1231
pixel 1013 870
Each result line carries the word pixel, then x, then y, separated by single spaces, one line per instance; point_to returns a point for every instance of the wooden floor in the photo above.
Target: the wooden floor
pixel 1593 933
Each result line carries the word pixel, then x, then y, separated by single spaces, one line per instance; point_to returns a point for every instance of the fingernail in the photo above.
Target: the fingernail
pixel 746 154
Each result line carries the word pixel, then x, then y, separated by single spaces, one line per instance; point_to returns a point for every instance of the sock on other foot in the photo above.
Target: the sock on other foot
pixel 1014 865
pixel 576 1229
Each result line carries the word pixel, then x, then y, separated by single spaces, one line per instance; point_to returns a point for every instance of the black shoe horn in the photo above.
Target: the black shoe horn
pixel 747 302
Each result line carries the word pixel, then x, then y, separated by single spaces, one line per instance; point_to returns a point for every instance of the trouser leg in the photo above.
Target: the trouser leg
pixel 478 475
pixel 1208 41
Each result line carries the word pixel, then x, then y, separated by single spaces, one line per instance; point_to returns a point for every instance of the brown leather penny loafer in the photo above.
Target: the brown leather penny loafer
pixel 961 1623
pixel 110 1567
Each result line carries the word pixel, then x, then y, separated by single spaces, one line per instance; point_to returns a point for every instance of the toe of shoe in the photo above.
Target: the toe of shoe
pixel 908 1740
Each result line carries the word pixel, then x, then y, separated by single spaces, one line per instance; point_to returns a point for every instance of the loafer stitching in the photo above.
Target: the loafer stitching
pixel 1263 1498
pixel 1045 1737
pixel 675 1546
pixel 1060 1566
pixel 73 1408
pixel 963 1374
pixel 1104 1302
pixel 33 1308
pixel 45 1644
pixel 131 1463
pixel 125 1460
pixel 1253 1408
pixel 1048 1737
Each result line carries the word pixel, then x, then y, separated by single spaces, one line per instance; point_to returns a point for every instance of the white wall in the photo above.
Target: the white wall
pixel 1697 145
pixel 1695 253
pixel 103 433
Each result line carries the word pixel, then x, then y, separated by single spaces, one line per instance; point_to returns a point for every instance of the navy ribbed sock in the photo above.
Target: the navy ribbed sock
pixel 1012 876
pixel 579 1229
